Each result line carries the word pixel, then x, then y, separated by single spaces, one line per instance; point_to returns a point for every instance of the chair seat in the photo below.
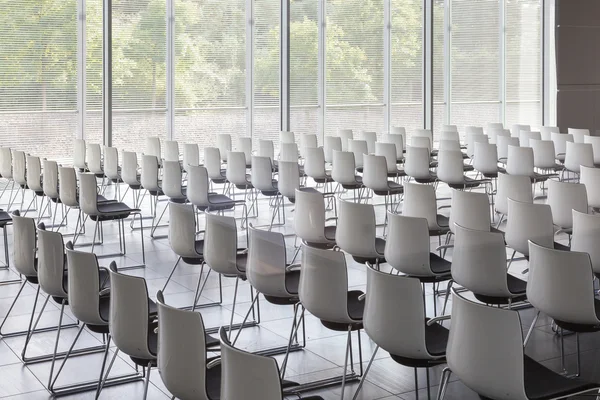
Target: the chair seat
pixel 213 382
pixel 439 265
pixel 494 175
pixel 575 327
pixel 393 188
pixel 517 287
pixel 356 310
pixel 379 249
pixel 241 260
pixel 4 218
pixel 330 232
pixel 431 179
pixel 219 202
pixel 468 183
pixel 353 186
pixel 292 282
pixel 468 168
pixel 273 191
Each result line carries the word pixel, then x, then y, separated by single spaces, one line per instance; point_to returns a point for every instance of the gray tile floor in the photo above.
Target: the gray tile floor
pixel 322 357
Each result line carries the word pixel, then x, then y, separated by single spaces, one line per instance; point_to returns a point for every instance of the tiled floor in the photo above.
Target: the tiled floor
pixel 322 357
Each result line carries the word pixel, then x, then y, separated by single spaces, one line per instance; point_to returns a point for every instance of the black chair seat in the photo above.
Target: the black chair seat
pixel 494 175
pixel 330 232
pixel 433 164
pixel 516 286
pixel 581 327
pixel 152 345
pixel 360 170
pixel 443 221
pixel 325 179
pixel 213 382
pixel 393 188
pixel 436 339
pixel 561 247
pixel 199 248
pixel 241 259
pixel 432 179
pixel 541 177
pixel 379 248
pixel 468 168
pixel 468 183
pixel 4 218
pixel 439 265
pixel 219 202
pixel 112 210
pixel 356 310
pixel 359 183
pixel 272 192
pixel 292 282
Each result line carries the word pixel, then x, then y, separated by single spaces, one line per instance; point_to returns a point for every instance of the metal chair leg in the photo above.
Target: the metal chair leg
pixel 147 383
pixel 346 360
pixel 364 375
pixel 444 383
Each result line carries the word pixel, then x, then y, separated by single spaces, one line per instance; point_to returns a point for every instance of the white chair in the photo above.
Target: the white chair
pixel 191 155
pixel 577 155
pixel 371 139
pixel 199 195
pixel 34 178
pixel 398 141
pixel 472 139
pixel 289 152
pixel 547 132
pixel 267 149
pixel 595 142
pixel 470 210
pixel 79 153
pixel 417 165
pixel 94 160
pixel 560 144
pixel 345 135
pixel 520 162
pixel 245 146
pixel 388 150
pixel 420 202
pixel 19 169
pixel 314 167
pixel 503 143
pixel 449 128
pixel 286 137
pixel 375 178
pixel 171 150
pixel 310 220
pixel 212 162
pixel 578 134
pixel 307 142
pixel 50 185
pixel 359 148
pixel 153 147
pixel 331 144
pixel 398 130
pixel 494 134
pixel 485 160
pixel 237 176
pixel 112 170
pixel 494 126
pixel 264 182
pixel 449 145
pixel 586 236
pixel 355 232
pixel 343 172
pixel 544 156
pixel 516 187
pixel 289 179
pixel 473 130
pixel 421 141
pixel 563 197
pixel 172 182
pixel 6 170
pixel 131 177
pixel 526 136
pixel 150 180
pixel 590 178
pixel 452 136
pixel 517 129
pixel 450 171
pixel 224 145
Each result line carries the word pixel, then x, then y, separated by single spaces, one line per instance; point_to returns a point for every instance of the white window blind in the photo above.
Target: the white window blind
pixel 210 71
pixel 354 65
pixel 439 67
pixel 93 71
pixel 38 76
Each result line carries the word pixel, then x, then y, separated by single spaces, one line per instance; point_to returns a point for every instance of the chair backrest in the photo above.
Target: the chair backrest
pixel 84 286
pixel 399 130
pixel 520 161
pixel 241 370
pixel 586 236
pixel 355 233
pixel 79 150
pixel 314 165
pixel 33 174
pixel 111 163
pixel 24 244
pixel 153 147
pixel 579 134
pixel 224 145
pixel 266 263
pixel 236 168
pixel 517 128
pixel 421 141
pixel 172 180
pixel 245 146
pixel 171 150
pixel 212 162
pixel 286 137
pixel 473 130
pixel 67 186
pixel 375 172
pixel 309 216
pixel 359 148
pixel 504 142
pixel 182 230
pixel 94 158
pixel 395 304
pixel 191 155
pixel 388 150
pixel 579 154
pixel 526 136
pixel 345 135
pixel 547 132
pixel 398 141
pixel 6 162
pixel 417 162
pixel 19 167
pixel 494 126
pixel 307 141
pixel 528 221
pixel 331 144
pixel 149 174
pixel 129 314
pixel 407 245
pixel 51 262
pixel 130 167
pixel 324 284
pixel 371 139
pixel 344 167
pixel 50 179
pixel 472 139
pixel 220 244
pixel 289 178
pixel 424 133
pixel 590 178
pixel 479 334
pixel 288 152
pixel 420 202
pixel 450 167
pixel 479 262
pixel 494 134
pixel 486 158
pixel 544 155
pixel 181 352
pixel 88 193
pixel 449 145
pixel 262 173
pixel 516 187
pixel 449 128
pixel 560 142
pixel 450 136
pixel 470 210
pixel 595 142
pixel 564 197
pixel 561 284
pixel 197 186
pixel 266 149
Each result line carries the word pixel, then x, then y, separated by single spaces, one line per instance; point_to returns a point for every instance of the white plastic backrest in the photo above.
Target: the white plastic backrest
pixel 494 126
pixel 94 158
pixel 517 128
pixel 473 130
pixel 307 142
pixel 547 132
pixel 561 285
pixel 520 161
pixel 266 149
pixel 479 334
pixel 182 230
pixel 399 130
pixel 579 134
pixel 67 186
pixel 220 244
pixel 344 168
pixel 595 142
pixel 245 146
pixel 331 144
pixel 420 202
pixel 472 139
pixel 111 163
pixel 590 178
pixel 424 133
pixel 375 173
pixel 345 135
pixel 289 178
pixel 236 168
pixel 191 155
pixel 494 133
pixel 359 148
pixel 563 197
pixel 171 150
pixel 262 173
pixel 88 195
pixel 516 187
pixel 355 233
pixel 398 141
pixel 450 136
pixel 407 245
pixel 24 245
pixel 149 175
pixel 153 147
pixel 586 236
pixel 309 216
pixel 486 158
pixel 6 162
pixel 479 262
pixel 449 145
pixel 560 142
pixel 224 144
pixel 286 137
pixel 266 263
pixel 421 141
pixel 544 155
pixel 212 162
pixel 171 182
pixel 84 286
pixel 371 139
pixel 34 174
pixel 579 154
pixel 449 128
pixel 79 150
pixel 50 180
pixel 417 162
pixel 323 287
pixel 503 143
pixel 470 210
pixel 395 303
pixel 528 221
pixel 130 166
pixel 526 136
pixel 289 152
pixel 388 150
pixel 197 186
pixel 314 165
pixel 19 167
pixel 51 263
pixel 450 167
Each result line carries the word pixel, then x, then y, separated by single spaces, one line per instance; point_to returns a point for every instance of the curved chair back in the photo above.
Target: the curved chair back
pixel 153 147
pixel 516 187
pixel 494 126
pixel 79 152
pixel 33 174
pixel 262 173
pixel 494 134
pixel 182 230
pixel 212 162
pixel 371 139
pixel 517 129
pixel 417 162
pixel 560 143
pixel 578 134
pixel 450 136
pixel 84 286
pixel 579 154
pixel 24 245
pixel 236 168
pixel 595 142
pixel 589 178
pixel 526 136
pixel 289 152
pixel 407 245
pixel 486 158
pixel 388 150
pixel 19 168
pixel 149 175
pixel 563 197
pixel 289 178
pixel 449 128
pixel 399 130
pixel 309 216
pixel 314 165
pixel 130 167
pixel 528 221
pixel 472 139
pixel 544 155
pixel 197 187
pixel 171 150
pixel 586 236
pixel 473 130
pixel 6 162
pixel 547 132
pixel 520 161
pixel 331 144
pixel 111 163
pixel 171 183
pixel 286 137
pixel 220 244
pixel 396 140
pixel 266 264
pixel 424 133
pixel 50 179
pixel 67 186
pixel 359 148
pixel 421 141
pixel 449 145
pixel 375 172
pixel 355 232
pixel 191 155
pixel 450 167
pixel 420 202
pixel 88 194
pixel 224 145
pixel 343 170
pixel 307 141
pixel 266 149
pixel 345 135
pixel 470 210
pixel 245 146
pixel 51 262
pixel 504 142
pixel 94 157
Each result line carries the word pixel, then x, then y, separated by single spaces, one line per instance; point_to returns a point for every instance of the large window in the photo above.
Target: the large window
pixel 93 71
pixel 38 76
